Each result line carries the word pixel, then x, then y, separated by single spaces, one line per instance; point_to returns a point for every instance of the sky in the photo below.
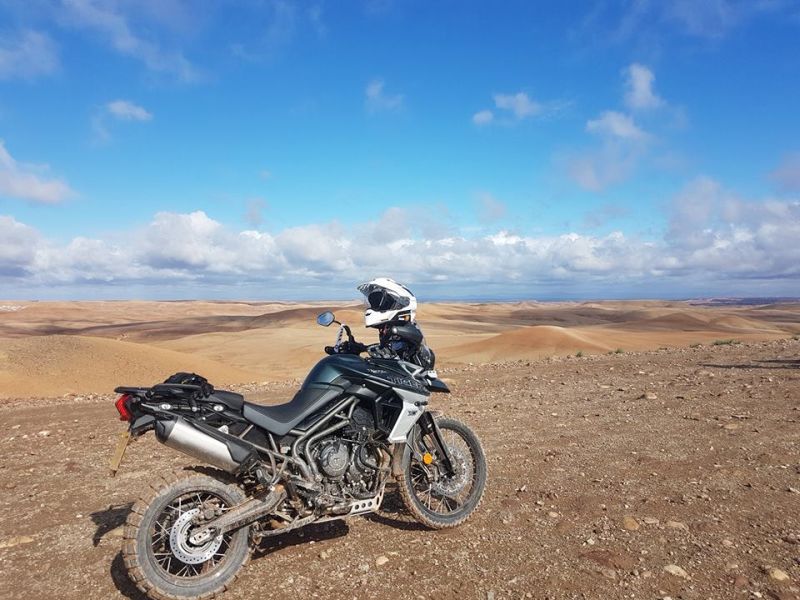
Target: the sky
pixel 271 149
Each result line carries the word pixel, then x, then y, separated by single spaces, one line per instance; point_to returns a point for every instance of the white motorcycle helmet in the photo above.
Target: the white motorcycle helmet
pixel 388 301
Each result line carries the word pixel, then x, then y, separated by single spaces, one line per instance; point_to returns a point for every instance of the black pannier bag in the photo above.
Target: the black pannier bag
pixel 181 378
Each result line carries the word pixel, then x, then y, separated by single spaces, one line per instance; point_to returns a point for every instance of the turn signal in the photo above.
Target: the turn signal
pixel 122 408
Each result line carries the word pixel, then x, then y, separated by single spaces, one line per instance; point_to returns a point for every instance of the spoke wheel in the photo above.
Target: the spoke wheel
pixel 434 498
pixel 162 551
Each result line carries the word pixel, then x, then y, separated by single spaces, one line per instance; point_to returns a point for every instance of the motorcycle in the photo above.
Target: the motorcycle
pixel 327 454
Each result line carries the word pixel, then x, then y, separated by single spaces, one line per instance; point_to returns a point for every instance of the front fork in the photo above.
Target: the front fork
pixel 427 425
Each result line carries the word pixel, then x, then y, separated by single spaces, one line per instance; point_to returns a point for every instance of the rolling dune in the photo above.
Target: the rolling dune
pixel 53 348
pixel 528 342
pixel 57 365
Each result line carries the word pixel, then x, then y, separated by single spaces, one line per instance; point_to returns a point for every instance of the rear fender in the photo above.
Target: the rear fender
pixel 142 424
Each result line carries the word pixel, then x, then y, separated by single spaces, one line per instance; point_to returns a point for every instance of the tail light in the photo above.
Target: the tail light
pixel 122 408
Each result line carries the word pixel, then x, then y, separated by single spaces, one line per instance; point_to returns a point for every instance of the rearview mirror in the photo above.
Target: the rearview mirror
pixel 326 318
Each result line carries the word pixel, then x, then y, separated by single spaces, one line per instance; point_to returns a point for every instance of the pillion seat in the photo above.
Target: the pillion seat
pixel 232 400
pixel 282 418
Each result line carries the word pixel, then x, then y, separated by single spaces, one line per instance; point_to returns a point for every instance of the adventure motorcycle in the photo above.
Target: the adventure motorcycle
pixel 327 454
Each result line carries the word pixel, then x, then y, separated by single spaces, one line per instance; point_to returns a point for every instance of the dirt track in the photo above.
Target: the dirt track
pixel 698 448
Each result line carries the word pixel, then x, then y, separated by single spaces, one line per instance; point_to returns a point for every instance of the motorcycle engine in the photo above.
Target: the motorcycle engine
pixel 334 457
pixel 349 462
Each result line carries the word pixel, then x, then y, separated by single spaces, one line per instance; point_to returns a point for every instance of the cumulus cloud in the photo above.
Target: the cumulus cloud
pixel 623 143
pixel 519 104
pixel 27 55
pixel 128 111
pixel 27 182
pixel 512 108
pixel 615 124
pixel 483 117
pixel 712 230
pixel 787 175
pixel 18 246
pixel 639 94
pixel 713 237
pixel 120 110
pixel 376 98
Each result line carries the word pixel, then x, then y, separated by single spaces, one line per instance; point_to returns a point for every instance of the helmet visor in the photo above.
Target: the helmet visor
pixel 380 299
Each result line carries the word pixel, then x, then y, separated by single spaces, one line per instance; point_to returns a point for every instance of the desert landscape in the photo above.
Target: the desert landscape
pixel 643 449
pixel 57 348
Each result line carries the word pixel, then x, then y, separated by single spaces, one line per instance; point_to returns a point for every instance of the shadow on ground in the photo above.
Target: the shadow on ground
pixel 119 575
pixel 109 519
pixel 777 363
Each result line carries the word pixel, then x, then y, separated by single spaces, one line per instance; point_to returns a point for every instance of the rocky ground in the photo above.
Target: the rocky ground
pixel 673 473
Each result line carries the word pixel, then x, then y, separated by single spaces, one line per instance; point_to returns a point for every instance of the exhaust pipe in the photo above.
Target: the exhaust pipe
pixel 208 444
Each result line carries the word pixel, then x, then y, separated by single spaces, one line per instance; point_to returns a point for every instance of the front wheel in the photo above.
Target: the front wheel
pixel 436 499
pixel 158 552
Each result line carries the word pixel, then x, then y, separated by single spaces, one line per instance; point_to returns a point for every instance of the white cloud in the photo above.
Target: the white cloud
pixel 26 182
pixel 121 110
pixel 108 19
pixel 787 175
pixel 128 111
pixel 623 143
pixel 483 117
pixel 28 55
pixel 378 100
pixel 512 108
pixel 18 245
pixel 714 238
pixel 519 104
pixel 713 231
pixel 187 242
pixel 639 94
pixel 616 124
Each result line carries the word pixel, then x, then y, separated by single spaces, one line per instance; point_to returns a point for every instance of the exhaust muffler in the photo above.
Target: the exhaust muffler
pixel 204 443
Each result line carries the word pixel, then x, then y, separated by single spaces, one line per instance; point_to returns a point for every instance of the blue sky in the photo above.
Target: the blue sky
pixel 278 149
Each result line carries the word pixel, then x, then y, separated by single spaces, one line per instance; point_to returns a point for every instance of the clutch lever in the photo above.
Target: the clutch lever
pixel 338 343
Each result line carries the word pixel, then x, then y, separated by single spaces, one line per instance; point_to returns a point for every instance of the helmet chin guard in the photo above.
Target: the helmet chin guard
pixel 387 301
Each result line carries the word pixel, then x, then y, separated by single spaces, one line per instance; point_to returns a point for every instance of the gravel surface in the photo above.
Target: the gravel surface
pixel 668 474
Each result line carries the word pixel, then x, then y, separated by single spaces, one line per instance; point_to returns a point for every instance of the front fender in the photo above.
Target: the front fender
pixel 401 457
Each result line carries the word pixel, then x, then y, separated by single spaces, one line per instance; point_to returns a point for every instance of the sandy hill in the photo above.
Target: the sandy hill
pixel 60 347
pixel 56 365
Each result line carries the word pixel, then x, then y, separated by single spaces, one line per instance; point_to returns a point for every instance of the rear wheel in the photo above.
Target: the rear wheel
pixel 157 550
pixel 435 499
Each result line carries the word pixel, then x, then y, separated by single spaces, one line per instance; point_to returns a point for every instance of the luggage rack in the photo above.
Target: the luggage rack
pixel 181 390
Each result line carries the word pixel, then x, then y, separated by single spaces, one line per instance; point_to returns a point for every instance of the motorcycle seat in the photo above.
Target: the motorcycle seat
pixel 281 418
